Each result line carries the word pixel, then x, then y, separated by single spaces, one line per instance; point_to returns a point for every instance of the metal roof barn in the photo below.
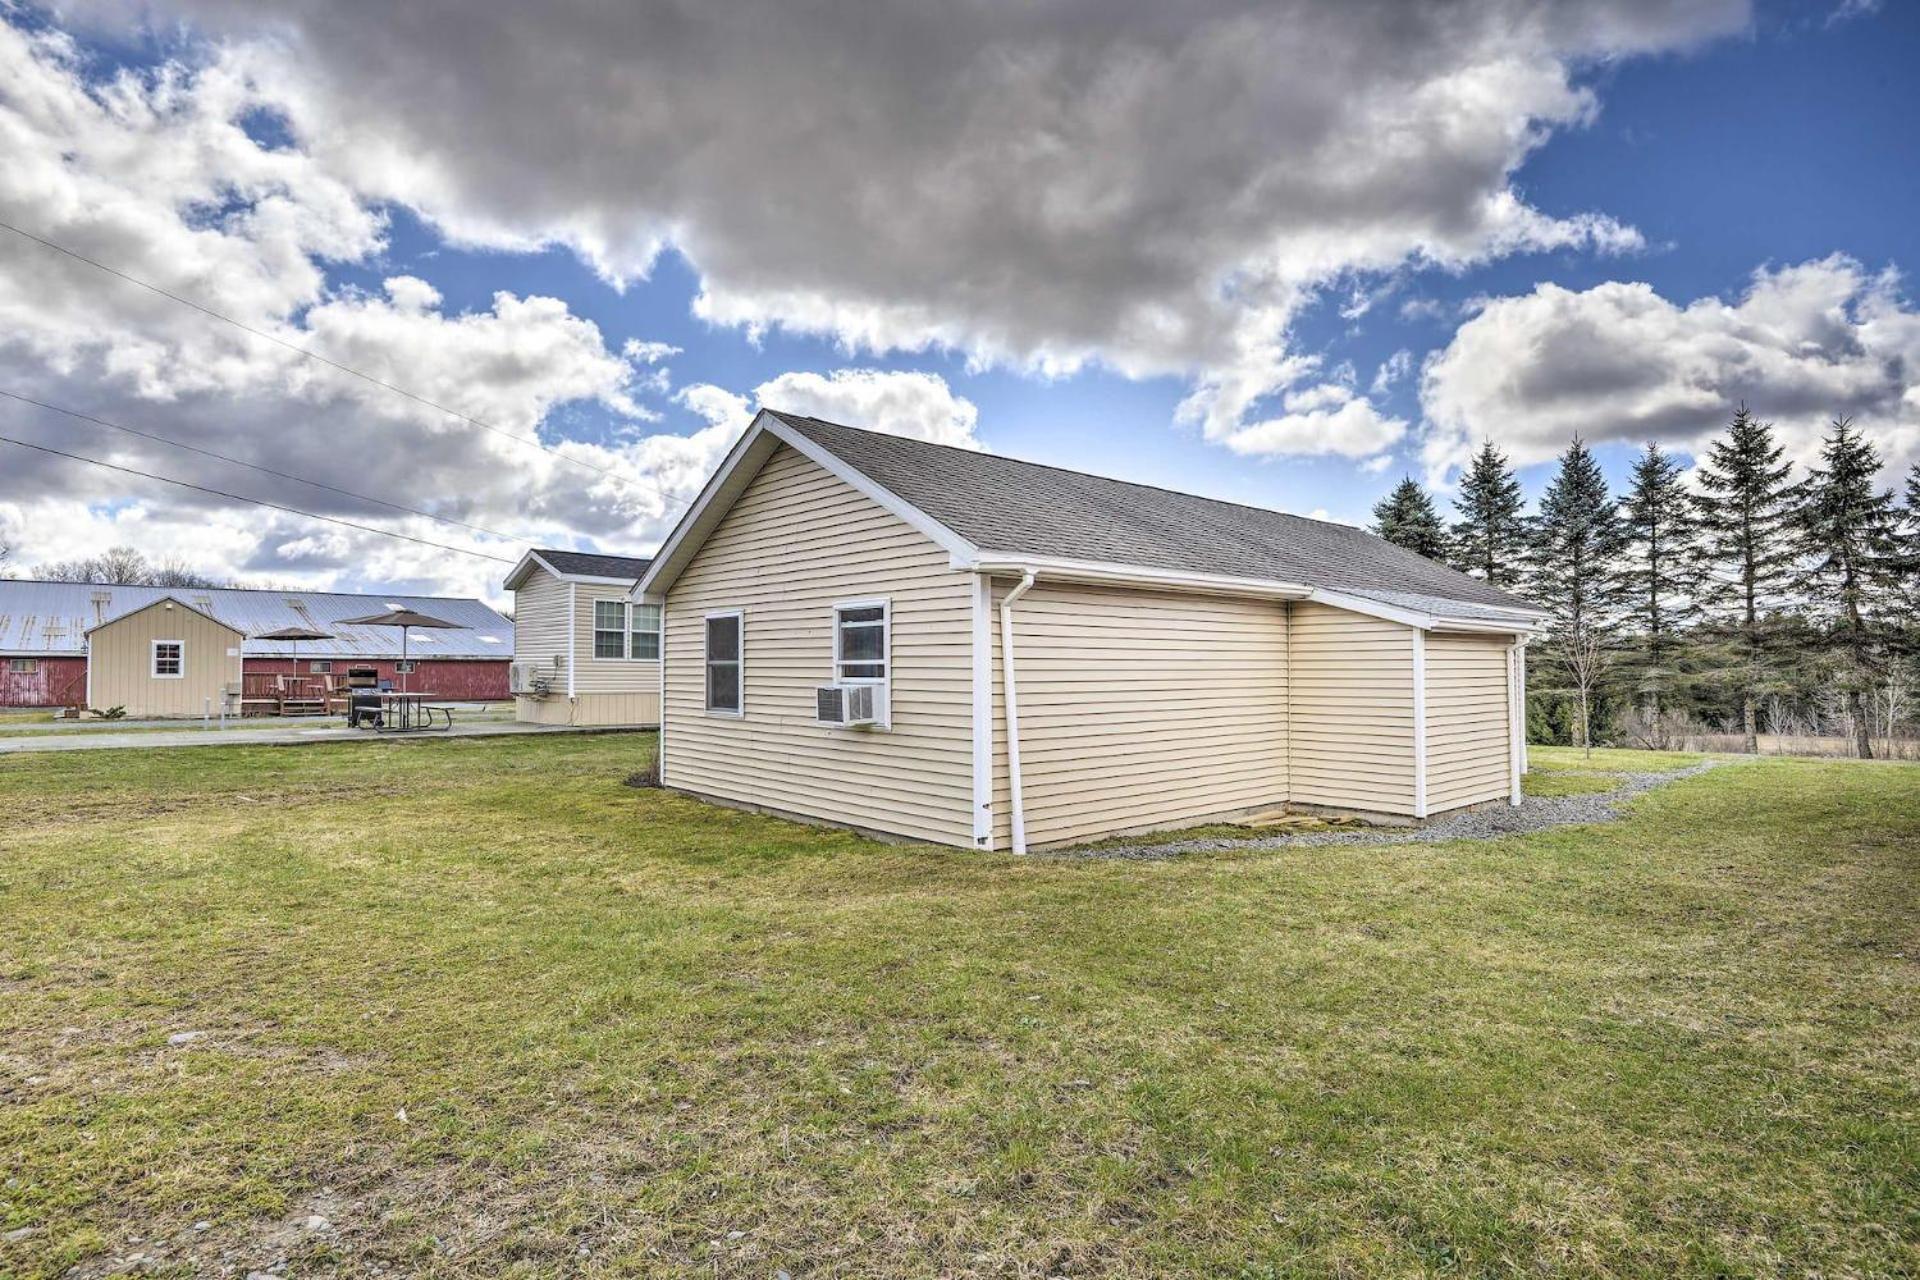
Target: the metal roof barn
pixel 52 619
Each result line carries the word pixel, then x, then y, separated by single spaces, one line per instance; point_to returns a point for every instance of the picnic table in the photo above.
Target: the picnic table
pixel 408 713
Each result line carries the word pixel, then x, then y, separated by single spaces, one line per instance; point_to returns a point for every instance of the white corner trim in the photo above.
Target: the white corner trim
pixel 573 633
pixel 1516 721
pixel 983 712
pixel 660 736
pixel 1419 723
pixel 1016 808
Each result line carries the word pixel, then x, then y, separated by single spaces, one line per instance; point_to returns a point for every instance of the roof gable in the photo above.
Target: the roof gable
pixel 166 601
pixel 578 566
pixel 993 512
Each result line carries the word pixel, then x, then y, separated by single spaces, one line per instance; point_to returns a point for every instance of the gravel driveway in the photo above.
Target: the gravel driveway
pixel 1536 813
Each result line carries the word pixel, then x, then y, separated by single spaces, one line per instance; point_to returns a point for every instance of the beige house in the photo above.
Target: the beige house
pixel 583 653
pixel 945 645
pixel 163 659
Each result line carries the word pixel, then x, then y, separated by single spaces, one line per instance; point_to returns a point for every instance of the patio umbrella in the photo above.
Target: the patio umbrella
pixel 296 635
pixel 403 619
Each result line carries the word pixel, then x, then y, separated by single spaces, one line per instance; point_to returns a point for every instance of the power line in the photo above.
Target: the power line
pixel 241 462
pixel 297 349
pixel 260 502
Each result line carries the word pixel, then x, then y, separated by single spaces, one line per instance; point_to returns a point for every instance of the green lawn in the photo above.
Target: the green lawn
pixel 488 1011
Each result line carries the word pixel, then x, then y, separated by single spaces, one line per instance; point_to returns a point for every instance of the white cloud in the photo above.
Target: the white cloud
pixel 1619 362
pixel 919 406
pixel 1155 188
pixel 1324 419
pixel 1392 370
pixel 154 174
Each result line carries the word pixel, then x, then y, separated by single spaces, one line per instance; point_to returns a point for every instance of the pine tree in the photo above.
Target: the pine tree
pixel 1747 513
pixel 1406 518
pixel 1576 574
pixel 1909 564
pixel 1490 538
pixel 1851 531
pixel 1661 575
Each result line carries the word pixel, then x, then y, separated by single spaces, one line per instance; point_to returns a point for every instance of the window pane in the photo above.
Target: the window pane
pixel 863 671
pixel 646 617
pixel 609 615
pixel 646 645
pixel 723 686
pixel 863 644
pixel 723 639
pixel 873 613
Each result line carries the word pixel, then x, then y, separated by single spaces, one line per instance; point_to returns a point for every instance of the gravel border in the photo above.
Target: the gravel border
pixel 1536 813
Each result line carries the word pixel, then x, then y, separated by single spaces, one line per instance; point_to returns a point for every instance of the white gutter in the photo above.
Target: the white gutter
pixel 1018 815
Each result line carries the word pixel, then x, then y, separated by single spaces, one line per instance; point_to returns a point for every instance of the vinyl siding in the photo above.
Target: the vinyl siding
pixel 120 658
pixel 1139 709
pixel 606 690
pixel 1351 722
pixel 1468 744
pixel 797 541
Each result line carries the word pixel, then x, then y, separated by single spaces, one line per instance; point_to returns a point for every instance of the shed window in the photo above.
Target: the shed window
pixel 23 666
pixel 320 668
pixel 725 646
pixel 405 668
pixel 646 632
pixel 609 629
pixel 169 659
pixel 860 641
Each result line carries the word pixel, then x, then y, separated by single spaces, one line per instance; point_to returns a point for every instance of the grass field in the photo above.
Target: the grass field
pixel 484 1010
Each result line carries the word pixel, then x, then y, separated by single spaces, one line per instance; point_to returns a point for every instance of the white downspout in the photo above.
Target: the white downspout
pixel 1018 814
pixel 1517 716
pixel 573 648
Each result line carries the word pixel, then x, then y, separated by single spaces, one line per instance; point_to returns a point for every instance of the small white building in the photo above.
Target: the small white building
pixel 946 645
pixel 583 653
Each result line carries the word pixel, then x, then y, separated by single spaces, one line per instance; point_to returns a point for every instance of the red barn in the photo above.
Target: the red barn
pixel 43 644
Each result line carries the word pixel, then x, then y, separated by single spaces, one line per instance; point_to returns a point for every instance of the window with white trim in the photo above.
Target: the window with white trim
pixel 644 632
pixel 169 660
pixel 726 646
pixel 406 667
pixel 609 629
pixel 860 641
pixel 23 666
pixel 321 667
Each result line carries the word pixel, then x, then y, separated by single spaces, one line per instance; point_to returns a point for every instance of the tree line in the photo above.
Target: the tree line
pixel 1739 600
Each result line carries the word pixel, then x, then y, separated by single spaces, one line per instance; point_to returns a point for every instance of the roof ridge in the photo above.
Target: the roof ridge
pixel 1074 471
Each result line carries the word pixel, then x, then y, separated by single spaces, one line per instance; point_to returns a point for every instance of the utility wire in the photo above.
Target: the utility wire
pixel 260 502
pixel 310 354
pixel 254 466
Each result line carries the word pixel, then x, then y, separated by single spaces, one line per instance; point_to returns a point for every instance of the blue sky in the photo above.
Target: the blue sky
pixel 1766 158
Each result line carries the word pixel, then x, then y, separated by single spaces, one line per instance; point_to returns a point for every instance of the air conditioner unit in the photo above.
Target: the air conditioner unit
pixel 531 678
pixel 848 706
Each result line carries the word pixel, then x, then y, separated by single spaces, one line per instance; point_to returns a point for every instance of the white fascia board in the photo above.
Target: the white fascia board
pixel 752 450
pixel 1097 572
pixel 682 542
pixel 949 541
pixel 1485 626
pixel 534 560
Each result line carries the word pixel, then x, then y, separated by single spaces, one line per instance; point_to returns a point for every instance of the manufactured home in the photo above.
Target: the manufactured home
pixel 939 644
pixel 583 653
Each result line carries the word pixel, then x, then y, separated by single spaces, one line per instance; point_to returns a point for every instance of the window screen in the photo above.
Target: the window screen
pixel 861 642
pixel 646 631
pixel 723 663
pixel 609 629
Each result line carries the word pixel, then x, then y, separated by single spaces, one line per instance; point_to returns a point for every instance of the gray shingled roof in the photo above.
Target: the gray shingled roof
pixel 588 564
pixel 1024 508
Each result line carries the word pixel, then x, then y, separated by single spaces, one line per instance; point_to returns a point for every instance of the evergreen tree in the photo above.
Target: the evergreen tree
pixel 1747 513
pixel 1851 531
pixel 1661 575
pixel 1490 538
pixel 1909 564
pixel 1406 518
pixel 1578 541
